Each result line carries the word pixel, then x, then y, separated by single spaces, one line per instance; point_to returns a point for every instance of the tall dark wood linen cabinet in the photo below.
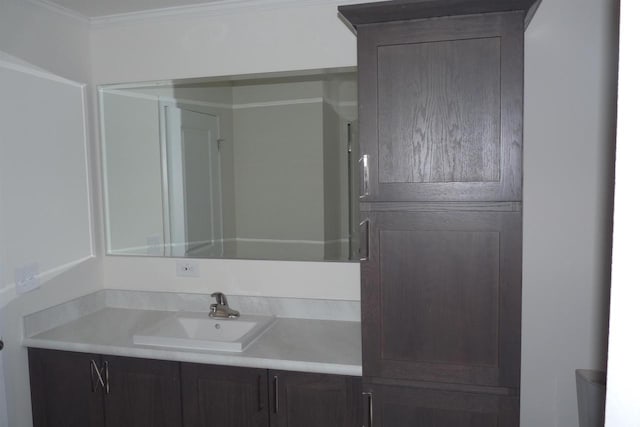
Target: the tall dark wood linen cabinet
pixel 440 110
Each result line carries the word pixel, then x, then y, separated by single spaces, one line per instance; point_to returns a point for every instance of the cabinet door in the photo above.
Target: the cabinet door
pixel 142 393
pixel 314 400
pixel 62 390
pixel 389 406
pixel 441 297
pixel 440 108
pixel 221 396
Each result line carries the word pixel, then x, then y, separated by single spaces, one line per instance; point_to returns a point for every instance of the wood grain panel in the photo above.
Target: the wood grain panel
pixel 439 111
pixel 419 407
pixel 61 389
pixel 405 415
pixel 441 297
pixel 224 396
pixel 451 279
pixel 315 400
pixel 143 393
pixel 440 108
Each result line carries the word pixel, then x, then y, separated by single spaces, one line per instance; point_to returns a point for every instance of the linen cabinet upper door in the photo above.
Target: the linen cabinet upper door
pixel 441 109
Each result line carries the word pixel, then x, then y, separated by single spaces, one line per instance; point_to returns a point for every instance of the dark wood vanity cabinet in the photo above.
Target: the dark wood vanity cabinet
pixel 224 396
pixel 71 389
pixel 315 400
pixel 440 88
pixel 63 391
pixel 142 392
pixel 85 390
pixel 411 406
pixel 440 108
pixel 441 296
pixel 244 397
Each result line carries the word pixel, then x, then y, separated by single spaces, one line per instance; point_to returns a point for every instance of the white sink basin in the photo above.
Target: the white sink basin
pixel 197 331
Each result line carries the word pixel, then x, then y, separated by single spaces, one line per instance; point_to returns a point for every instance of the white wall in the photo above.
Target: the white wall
pixel 298 279
pixel 623 394
pixel 280 39
pixel 53 41
pixel 569 49
pixel 60 44
pixel 569 120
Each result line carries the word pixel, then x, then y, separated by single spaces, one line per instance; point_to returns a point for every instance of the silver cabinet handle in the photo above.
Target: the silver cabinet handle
pixel 107 387
pixel 364 176
pixel 96 376
pixel 365 239
pixel 369 396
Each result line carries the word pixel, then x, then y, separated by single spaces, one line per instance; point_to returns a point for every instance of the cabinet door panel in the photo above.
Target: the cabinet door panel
pixel 142 393
pixel 441 297
pixel 314 400
pixel 441 108
pixel 426 135
pixel 418 407
pixel 224 396
pixel 62 392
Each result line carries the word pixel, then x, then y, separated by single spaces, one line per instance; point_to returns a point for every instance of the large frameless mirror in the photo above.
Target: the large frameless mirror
pixel 252 167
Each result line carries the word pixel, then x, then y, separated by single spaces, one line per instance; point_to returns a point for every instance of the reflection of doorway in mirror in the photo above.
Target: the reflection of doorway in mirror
pixel 192 190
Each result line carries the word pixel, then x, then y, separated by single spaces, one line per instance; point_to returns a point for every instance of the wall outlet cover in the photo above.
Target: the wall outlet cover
pixel 26 278
pixel 187 269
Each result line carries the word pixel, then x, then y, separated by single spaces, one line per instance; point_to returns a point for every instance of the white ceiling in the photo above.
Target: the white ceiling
pixel 98 8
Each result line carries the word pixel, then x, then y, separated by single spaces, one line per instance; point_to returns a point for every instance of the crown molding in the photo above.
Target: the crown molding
pixel 60 10
pixel 214 7
pixel 218 7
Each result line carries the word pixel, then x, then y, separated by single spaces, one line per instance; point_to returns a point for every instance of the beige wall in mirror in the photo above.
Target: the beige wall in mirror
pixel 249 167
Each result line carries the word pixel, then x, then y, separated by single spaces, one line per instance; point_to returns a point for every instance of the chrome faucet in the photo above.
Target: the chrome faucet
pixel 221 308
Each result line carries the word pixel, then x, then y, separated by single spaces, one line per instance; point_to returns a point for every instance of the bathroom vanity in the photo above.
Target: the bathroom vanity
pixel 87 370
pixel 89 390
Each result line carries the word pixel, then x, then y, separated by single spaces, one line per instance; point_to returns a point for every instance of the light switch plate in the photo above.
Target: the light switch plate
pixel 26 278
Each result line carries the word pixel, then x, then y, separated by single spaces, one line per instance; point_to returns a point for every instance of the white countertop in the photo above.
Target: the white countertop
pixel 307 345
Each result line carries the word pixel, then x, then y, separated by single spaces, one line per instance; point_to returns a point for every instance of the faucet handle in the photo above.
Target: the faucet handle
pixel 221 298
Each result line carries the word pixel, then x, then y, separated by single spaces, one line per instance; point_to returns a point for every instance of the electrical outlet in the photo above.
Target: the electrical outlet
pixel 27 278
pixel 187 269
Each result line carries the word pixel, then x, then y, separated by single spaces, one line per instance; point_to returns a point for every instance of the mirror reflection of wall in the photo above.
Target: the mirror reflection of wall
pixel 261 167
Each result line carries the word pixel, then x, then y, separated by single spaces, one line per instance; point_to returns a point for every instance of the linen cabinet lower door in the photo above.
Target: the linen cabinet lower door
pixel 142 393
pixel 441 297
pixel 224 396
pixel 64 391
pixel 314 400
pixel 390 406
